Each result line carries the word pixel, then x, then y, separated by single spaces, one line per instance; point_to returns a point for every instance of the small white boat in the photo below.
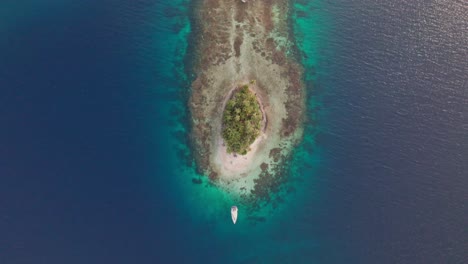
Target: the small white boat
pixel 234 214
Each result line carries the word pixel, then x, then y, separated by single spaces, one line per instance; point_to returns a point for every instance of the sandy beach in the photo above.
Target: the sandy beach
pixel 239 43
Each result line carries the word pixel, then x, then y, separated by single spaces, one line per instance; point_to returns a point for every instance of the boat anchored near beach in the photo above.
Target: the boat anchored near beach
pixel 234 214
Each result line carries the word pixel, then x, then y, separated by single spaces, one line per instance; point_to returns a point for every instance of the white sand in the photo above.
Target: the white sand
pixel 235 165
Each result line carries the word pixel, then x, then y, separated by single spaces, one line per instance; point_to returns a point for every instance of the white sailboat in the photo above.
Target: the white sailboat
pixel 234 214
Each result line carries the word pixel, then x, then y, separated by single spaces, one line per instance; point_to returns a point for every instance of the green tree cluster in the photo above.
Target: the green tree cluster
pixel 242 121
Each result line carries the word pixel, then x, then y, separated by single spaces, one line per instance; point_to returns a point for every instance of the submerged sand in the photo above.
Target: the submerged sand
pixel 237 43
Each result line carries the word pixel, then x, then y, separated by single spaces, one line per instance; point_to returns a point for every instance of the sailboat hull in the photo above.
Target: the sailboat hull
pixel 234 214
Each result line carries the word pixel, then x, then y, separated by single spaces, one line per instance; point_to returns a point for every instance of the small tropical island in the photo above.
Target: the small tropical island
pixel 243 131
pixel 242 119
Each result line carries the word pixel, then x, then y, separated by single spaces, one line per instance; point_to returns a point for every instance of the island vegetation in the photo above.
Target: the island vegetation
pixel 242 119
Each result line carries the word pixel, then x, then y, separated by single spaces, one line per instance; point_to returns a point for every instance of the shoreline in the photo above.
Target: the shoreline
pixel 239 42
pixel 235 165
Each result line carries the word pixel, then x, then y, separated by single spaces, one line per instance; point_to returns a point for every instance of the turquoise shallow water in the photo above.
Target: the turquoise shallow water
pixel 260 233
pixel 96 167
pixel 331 210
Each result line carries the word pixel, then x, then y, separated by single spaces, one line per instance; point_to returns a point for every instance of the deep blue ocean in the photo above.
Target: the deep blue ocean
pixel 95 164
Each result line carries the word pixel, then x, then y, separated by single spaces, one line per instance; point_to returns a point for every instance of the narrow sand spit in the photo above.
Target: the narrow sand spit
pixel 239 42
